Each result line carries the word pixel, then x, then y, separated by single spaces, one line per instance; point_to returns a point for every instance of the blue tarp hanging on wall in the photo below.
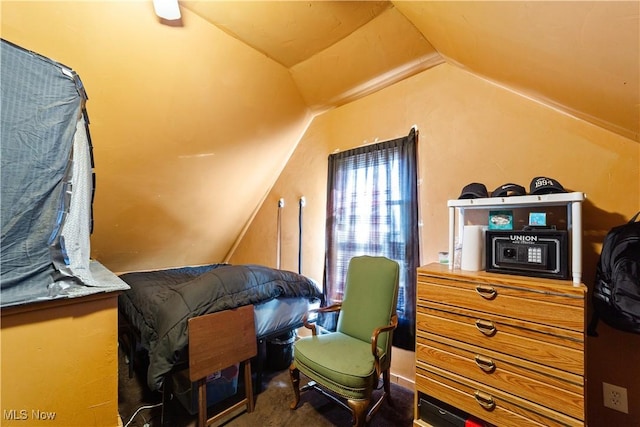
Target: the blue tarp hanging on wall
pixel 46 180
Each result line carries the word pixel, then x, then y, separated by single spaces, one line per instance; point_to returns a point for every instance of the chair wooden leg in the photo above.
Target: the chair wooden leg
pixel 294 373
pixel 359 409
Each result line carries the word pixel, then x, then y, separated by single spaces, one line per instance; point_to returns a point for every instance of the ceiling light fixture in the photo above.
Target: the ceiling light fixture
pixel 167 9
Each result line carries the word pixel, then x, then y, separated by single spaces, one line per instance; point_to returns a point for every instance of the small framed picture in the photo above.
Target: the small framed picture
pixel 537 219
pixel 500 220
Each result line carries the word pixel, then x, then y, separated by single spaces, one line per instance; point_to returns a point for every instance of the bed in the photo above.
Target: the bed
pixel 154 313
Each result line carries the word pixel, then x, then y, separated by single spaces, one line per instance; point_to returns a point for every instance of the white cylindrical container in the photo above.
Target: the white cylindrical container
pixel 472 248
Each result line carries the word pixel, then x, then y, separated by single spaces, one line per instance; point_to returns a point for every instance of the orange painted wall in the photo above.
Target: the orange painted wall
pixel 187 125
pixel 470 130
pixel 60 363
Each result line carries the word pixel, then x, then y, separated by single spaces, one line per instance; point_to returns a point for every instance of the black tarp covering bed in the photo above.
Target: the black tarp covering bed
pixel 164 300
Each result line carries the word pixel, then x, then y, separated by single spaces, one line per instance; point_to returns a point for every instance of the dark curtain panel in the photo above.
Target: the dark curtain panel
pixel 372 209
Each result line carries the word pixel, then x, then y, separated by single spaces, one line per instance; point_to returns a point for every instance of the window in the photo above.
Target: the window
pixel 372 209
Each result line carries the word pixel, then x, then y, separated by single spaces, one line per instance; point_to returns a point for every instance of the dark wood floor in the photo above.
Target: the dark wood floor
pixel 271 405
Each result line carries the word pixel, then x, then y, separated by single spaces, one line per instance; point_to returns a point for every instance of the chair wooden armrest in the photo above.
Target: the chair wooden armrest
pixel 374 340
pixel 311 325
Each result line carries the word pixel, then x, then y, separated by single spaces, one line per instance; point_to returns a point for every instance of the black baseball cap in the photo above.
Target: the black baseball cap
pixel 474 190
pixel 510 189
pixel 544 185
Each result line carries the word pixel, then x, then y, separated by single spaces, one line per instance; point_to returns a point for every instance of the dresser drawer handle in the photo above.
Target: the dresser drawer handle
pixel 486 327
pixel 486 292
pixel 485 363
pixel 485 400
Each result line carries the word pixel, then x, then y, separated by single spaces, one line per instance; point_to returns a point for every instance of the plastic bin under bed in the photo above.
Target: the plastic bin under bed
pixel 220 386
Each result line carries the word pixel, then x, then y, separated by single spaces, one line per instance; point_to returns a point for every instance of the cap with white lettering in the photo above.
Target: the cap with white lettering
pixel 544 185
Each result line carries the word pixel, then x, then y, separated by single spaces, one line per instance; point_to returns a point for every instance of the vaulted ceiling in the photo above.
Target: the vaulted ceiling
pixel 578 57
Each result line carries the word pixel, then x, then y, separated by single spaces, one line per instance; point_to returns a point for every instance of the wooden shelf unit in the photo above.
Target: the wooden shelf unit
pixel 509 350
pixel 572 201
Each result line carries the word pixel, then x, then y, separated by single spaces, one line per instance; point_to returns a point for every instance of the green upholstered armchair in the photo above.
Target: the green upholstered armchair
pixel 348 363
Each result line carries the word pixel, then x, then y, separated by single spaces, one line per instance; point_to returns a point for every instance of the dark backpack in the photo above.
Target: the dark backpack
pixel 616 291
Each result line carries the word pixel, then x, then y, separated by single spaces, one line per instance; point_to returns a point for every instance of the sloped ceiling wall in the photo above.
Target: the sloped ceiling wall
pixel 190 126
pixel 335 51
pixel 580 57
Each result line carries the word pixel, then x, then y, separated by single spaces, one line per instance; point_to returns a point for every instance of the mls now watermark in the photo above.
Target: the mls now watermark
pixel 25 414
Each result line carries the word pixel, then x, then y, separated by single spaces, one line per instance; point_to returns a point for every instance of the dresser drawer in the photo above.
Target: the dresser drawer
pixel 546 386
pixel 486 403
pixel 548 333
pixel 563 307
pixel 491 333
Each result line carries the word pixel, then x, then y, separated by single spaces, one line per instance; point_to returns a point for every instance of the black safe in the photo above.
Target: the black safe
pixel 535 252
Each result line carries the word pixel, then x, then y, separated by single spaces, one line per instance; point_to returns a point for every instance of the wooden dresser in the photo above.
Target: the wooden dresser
pixel 507 349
